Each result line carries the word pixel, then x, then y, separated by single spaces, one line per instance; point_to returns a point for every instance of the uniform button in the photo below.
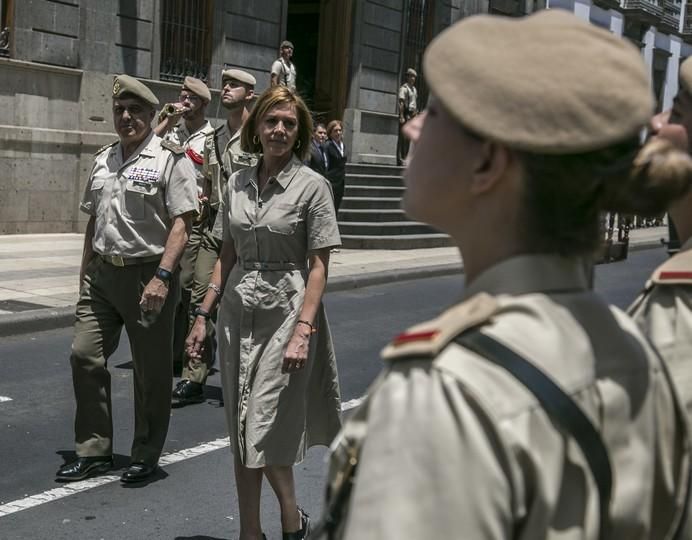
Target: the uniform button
pixel 271 181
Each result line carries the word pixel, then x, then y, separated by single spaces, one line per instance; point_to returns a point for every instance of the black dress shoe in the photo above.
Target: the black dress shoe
pixel 187 392
pixel 138 472
pixel 84 467
pixel 304 528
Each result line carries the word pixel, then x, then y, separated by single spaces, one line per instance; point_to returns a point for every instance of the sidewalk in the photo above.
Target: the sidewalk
pixel 39 274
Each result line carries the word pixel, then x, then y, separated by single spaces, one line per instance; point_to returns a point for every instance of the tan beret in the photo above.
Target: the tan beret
pixel 239 75
pixel 411 71
pixel 197 87
pixel 685 75
pixel 547 83
pixel 125 84
pixel 287 43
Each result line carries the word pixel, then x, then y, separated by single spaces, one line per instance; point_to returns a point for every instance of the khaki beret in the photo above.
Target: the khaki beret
pixel 287 43
pixel 125 84
pixel 197 87
pixel 685 75
pixel 411 71
pixel 239 75
pixel 547 83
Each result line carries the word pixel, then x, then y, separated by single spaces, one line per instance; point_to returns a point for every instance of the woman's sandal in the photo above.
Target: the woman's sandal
pixel 304 528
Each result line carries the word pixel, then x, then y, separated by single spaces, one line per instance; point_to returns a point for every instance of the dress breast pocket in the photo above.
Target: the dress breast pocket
pixel 140 191
pixel 283 218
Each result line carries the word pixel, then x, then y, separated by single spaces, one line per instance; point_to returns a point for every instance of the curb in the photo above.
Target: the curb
pixel 39 320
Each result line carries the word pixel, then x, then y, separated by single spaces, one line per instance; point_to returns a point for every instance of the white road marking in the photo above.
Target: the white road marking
pixel 168 459
pixel 90 483
pixel 5 398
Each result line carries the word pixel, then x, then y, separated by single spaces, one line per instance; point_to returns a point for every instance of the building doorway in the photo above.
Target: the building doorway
pixel 320 31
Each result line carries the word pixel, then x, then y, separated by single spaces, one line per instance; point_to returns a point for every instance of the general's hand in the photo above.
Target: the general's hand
pixel 154 295
pixel 194 344
pixel 296 355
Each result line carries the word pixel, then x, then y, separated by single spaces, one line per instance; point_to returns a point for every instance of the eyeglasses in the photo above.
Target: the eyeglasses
pixel 188 97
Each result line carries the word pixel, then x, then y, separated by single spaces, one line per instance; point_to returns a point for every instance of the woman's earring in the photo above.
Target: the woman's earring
pixel 298 145
pixel 255 140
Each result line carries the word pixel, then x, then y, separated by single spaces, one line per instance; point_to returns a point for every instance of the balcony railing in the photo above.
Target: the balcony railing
pixel 646 8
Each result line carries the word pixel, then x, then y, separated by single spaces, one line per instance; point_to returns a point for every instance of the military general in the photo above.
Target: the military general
pixel 141 196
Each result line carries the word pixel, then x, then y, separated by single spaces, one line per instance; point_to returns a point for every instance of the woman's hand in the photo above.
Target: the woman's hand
pixel 296 354
pixel 194 344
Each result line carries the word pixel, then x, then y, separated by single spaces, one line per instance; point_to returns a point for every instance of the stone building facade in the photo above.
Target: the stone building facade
pixel 57 65
pixel 58 58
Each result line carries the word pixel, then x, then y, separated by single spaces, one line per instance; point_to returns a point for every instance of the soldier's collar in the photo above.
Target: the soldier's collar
pixel 531 273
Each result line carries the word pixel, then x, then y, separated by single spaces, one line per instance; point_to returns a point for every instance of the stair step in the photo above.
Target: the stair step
pixel 372 215
pixel 371 168
pixel 374 191
pixel 406 241
pixel 392 228
pixel 373 180
pixel 353 203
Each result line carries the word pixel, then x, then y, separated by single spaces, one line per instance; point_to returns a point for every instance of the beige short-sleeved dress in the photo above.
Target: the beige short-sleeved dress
pixel 274 417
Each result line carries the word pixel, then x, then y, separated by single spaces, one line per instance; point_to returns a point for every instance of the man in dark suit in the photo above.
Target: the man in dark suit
pixel 318 156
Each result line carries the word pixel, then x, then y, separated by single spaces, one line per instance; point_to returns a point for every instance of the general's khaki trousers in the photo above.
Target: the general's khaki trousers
pixel 108 300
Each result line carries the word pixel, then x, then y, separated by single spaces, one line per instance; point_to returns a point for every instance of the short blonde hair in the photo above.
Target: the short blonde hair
pixel 278 95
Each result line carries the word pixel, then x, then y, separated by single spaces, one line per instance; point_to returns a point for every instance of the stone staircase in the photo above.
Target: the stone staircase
pixel 370 216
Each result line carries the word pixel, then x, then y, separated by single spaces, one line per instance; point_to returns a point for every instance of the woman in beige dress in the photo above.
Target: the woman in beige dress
pixel 276 356
pixel 532 409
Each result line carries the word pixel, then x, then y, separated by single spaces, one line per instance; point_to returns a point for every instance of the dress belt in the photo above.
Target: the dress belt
pixel 248 265
pixel 117 260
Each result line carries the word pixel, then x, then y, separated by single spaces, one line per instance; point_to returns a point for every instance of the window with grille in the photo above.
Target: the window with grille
pixel 419 30
pixel 186 33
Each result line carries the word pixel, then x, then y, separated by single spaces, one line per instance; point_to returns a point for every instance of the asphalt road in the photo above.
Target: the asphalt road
pixel 194 497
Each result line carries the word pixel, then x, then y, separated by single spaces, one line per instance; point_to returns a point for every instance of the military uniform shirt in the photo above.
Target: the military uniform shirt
pixel 285 72
pixel 233 159
pixel 193 143
pixel 409 95
pixel 134 201
pixel 664 313
pixel 456 447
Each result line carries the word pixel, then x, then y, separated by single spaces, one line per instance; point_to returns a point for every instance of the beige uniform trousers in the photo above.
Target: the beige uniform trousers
pixel 196 266
pixel 109 300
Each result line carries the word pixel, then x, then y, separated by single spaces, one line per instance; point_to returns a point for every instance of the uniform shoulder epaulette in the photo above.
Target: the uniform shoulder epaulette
pixel 173 147
pixel 675 271
pixel 427 339
pixel 105 147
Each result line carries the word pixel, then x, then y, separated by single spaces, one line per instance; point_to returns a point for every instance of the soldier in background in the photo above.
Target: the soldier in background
pixel 222 156
pixel 185 124
pixel 283 71
pixel 141 197
pixel 407 104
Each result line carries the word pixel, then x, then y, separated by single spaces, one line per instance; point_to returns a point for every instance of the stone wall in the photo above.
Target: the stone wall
pixel 370 119
pixel 52 120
